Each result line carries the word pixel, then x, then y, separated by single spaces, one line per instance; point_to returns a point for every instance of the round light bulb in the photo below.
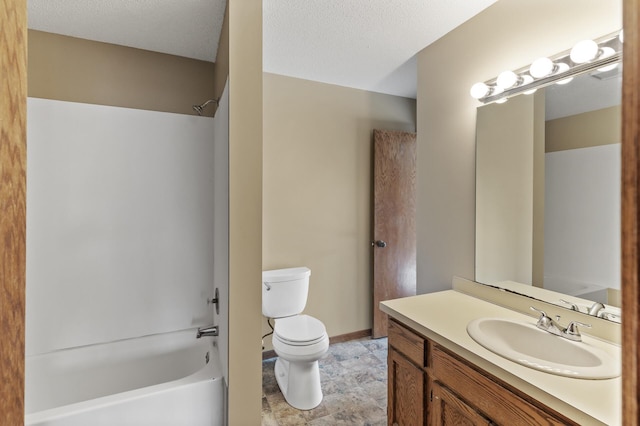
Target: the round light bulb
pixel 562 67
pixel 606 52
pixel 507 80
pixel 541 67
pixel 584 51
pixel 527 79
pixel 608 68
pixel 479 90
pixel 565 81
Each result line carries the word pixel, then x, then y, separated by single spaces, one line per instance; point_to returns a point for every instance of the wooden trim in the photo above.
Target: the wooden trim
pixel 332 340
pixel 630 212
pixel 13 157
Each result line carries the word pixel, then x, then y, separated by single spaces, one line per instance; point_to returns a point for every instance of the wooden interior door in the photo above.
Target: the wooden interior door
pixel 394 220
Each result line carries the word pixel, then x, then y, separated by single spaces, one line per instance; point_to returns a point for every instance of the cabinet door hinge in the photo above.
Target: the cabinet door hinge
pixel 431 395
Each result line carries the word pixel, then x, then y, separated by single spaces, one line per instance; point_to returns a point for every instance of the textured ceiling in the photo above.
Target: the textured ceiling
pixel 189 28
pixel 365 44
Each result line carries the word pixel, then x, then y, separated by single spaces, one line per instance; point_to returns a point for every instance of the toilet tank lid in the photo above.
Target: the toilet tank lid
pixel 288 274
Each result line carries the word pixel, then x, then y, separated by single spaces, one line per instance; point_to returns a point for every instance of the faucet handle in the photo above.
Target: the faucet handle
pixel 544 320
pixel 573 306
pixel 572 332
pixel 540 311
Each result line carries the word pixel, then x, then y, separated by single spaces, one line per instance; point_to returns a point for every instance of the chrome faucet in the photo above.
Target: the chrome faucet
pixel 547 324
pixel 595 309
pixel 212 330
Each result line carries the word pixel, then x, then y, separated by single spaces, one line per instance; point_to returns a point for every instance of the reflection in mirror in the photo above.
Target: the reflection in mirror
pixel 548 194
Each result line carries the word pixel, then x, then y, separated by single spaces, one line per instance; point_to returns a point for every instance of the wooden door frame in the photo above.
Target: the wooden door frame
pixel 630 212
pixel 13 198
pixel 13 155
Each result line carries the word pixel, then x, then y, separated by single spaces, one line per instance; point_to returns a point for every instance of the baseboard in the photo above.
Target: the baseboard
pixel 350 336
pixel 332 340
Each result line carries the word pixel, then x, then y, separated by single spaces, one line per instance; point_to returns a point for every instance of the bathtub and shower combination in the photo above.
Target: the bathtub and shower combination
pixel 142 245
pixel 165 379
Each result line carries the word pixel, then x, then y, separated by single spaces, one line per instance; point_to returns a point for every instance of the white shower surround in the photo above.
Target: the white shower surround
pixel 582 220
pixel 127 237
pixel 120 223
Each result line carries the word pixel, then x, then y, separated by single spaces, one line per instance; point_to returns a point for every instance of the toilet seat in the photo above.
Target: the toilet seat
pixel 300 330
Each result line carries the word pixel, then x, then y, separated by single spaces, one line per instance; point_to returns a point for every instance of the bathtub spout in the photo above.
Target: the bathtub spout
pixel 212 330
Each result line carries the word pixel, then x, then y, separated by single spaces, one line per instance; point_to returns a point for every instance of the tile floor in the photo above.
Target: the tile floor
pixel 354 383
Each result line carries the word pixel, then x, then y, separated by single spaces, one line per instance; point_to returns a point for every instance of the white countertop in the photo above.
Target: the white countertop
pixel 443 318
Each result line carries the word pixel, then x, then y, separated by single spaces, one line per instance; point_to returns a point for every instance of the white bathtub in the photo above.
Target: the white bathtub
pixel 165 379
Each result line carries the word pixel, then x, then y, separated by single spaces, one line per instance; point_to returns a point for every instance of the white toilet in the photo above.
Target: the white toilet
pixel 298 340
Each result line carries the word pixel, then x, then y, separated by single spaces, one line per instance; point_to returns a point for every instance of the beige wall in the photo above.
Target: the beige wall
pixel 508 35
pixel 221 68
pixel 317 190
pixel 245 211
pixel 72 69
pixel 592 128
pixel 504 191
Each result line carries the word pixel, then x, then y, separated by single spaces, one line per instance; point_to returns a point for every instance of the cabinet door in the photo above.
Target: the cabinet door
pixel 448 410
pixel 406 391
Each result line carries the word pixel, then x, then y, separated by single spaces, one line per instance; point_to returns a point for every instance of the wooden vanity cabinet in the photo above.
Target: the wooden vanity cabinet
pixel 447 409
pixel 429 385
pixel 406 389
pixel 407 382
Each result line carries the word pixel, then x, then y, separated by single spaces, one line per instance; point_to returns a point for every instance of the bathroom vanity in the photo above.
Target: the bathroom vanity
pixel 439 375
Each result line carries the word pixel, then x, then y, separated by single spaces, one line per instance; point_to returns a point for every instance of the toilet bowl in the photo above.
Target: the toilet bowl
pixel 299 340
pixel 296 369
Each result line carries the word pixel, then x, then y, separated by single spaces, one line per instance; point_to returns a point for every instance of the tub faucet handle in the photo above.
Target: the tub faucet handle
pixel 215 301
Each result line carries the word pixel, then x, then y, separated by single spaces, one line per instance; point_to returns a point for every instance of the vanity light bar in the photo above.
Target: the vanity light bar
pixel 603 54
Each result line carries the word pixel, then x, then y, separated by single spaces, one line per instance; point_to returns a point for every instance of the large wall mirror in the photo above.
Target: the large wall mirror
pixel 548 194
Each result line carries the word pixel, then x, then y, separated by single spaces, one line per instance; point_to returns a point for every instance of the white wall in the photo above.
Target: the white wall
pixel 582 216
pixel 221 224
pixel 119 228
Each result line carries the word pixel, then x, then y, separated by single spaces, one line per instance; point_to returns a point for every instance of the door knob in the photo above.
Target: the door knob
pixel 378 243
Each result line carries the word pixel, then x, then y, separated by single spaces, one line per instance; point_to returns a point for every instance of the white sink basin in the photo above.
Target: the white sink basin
pixel 525 344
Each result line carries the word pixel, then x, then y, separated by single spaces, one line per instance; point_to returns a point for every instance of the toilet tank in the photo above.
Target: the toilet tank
pixel 284 291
